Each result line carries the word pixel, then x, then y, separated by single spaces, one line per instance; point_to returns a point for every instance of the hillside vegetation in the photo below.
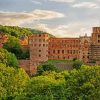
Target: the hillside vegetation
pixel 19 31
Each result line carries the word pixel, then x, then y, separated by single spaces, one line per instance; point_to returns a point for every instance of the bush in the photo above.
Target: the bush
pixel 8 58
pixel 46 67
pixel 77 64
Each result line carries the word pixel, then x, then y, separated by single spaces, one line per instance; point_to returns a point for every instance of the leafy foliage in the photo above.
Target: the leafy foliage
pixel 77 64
pixel 15 31
pixel 13 45
pixel 8 58
pixel 81 84
pixel 46 67
pixel 12 82
pixel 19 31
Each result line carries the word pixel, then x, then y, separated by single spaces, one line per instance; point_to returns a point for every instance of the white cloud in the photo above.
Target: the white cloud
pixel 86 5
pixel 17 18
pixel 63 1
pixel 70 30
pixel 36 2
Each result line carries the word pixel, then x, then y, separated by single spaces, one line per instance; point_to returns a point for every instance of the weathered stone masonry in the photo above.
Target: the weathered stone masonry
pixel 43 47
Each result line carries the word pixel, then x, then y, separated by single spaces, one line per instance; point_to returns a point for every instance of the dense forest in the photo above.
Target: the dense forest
pixel 81 83
pixel 19 31
pixel 50 83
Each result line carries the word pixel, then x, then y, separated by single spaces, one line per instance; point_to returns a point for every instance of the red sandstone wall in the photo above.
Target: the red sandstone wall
pixel 64 48
pixel 29 68
pixel 38 47
pixel 25 64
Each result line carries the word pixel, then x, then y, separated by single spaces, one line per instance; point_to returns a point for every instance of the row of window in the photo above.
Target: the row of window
pixel 61 45
pixel 41 35
pixel 68 41
pixel 41 55
pixel 65 51
pixel 64 58
pixel 40 45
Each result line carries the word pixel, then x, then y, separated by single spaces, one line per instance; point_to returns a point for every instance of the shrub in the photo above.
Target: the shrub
pixel 77 64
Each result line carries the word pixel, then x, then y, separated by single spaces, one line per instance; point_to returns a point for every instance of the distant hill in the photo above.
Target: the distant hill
pixel 19 31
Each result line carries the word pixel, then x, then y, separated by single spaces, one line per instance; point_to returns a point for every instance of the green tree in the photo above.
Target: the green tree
pixel 12 82
pixel 13 45
pixel 46 67
pixel 8 58
pixel 84 84
pixel 77 64
pixel 47 87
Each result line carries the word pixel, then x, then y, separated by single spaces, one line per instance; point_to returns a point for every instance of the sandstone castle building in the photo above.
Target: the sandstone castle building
pixel 43 47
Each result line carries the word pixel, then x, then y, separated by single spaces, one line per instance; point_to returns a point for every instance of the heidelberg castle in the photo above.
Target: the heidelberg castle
pixel 43 47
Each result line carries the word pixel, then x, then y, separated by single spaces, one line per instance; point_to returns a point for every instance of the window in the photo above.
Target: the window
pixel 39 45
pixel 53 51
pixel 39 35
pixel 43 45
pixel 63 51
pixel 39 50
pixel 98 36
pixel 58 51
pixel 39 55
pixel 98 41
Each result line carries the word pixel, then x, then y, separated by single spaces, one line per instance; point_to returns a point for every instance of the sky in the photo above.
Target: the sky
pixel 62 18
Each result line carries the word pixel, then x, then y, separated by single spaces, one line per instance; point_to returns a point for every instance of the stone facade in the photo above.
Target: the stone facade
pixel 85 42
pixel 38 45
pixel 64 48
pixel 43 47
pixel 94 51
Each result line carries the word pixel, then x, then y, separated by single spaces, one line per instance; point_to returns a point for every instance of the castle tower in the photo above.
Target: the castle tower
pixel 84 48
pixel 96 36
pixel 38 45
pixel 94 55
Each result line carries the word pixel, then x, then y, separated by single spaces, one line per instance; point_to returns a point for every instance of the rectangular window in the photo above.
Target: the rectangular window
pixel 43 45
pixel 39 50
pixel 58 51
pixel 53 51
pixel 98 36
pixel 39 35
pixel 98 41
pixel 63 51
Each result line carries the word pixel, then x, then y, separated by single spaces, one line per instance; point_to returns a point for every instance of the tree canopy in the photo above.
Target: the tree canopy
pixel 8 58
pixel 81 84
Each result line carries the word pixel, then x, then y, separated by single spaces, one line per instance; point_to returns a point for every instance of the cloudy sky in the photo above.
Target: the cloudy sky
pixel 62 18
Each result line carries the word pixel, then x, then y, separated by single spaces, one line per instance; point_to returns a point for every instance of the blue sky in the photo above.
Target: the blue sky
pixel 62 18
